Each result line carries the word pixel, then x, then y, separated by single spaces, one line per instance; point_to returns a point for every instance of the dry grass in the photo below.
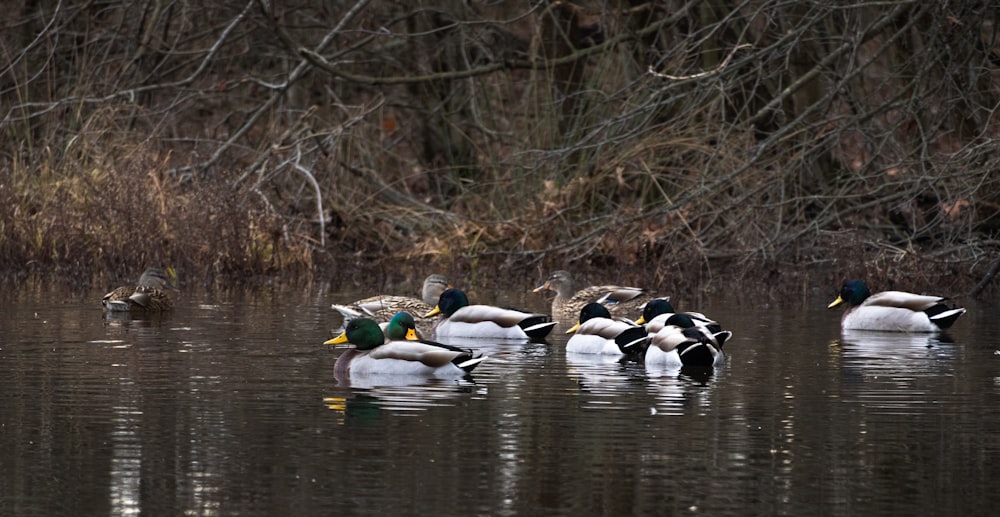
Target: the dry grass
pixel 670 143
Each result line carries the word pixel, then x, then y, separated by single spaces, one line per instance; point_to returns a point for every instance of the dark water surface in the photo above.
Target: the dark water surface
pixel 230 407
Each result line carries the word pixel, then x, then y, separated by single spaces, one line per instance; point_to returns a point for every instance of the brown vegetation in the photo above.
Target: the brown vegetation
pixel 678 143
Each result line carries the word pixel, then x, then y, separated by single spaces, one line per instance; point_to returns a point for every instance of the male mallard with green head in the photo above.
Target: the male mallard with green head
pixel 460 319
pixel 372 354
pixel 621 301
pixel 401 327
pixel 148 295
pixel 893 311
pixel 598 333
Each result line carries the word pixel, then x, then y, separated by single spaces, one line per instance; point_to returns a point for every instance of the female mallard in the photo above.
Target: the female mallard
pixel 148 295
pixel 597 333
pixel 659 312
pixel 893 311
pixel 382 307
pixel 569 301
pixel 459 319
pixel 371 354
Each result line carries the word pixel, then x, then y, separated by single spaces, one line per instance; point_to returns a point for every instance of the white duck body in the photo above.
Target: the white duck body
pixel 488 322
pixel 405 358
pixel 370 354
pixel 674 347
pixel 603 335
pixel 893 311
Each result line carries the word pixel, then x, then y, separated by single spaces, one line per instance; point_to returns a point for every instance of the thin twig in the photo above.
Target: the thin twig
pixel 716 70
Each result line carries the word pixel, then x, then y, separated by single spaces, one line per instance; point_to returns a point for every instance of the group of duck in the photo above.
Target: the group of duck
pixel 602 323
pixel 602 318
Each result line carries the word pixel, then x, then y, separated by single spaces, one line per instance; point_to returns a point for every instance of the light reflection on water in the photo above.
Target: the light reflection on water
pixel 231 406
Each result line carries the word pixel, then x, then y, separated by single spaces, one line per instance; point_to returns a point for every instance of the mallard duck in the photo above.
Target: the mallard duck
pixel 676 347
pixel 598 333
pixel 382 307
pixel 680 338
pixel 659 312
pixel 893 311
pixel 371 354
pixel 401 327
pixel 148 295
pixel 459 319
pixel 569 301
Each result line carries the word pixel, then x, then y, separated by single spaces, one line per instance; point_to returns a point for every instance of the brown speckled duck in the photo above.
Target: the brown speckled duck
pixel 566 306
pixel 383 307
pixel 149 295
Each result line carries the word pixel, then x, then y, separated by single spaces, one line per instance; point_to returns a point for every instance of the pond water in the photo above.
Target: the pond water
pixel 229 406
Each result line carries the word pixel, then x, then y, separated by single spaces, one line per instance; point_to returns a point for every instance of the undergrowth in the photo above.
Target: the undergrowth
pixel 671 143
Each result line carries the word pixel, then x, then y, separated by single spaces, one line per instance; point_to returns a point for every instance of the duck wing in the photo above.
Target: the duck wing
pixel 902 300
pixel 611 294
pixel 434 355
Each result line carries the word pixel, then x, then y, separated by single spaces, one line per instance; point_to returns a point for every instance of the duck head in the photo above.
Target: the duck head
pixel 434 285
pixel 654 308
pixel 561 282
pixel 401 327
pixel 363 333
pixel 852 292
pixel 679 319
pixel 451 300
pixel 590 311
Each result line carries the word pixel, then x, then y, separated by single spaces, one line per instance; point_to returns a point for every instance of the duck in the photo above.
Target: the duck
pixel 675 346
pixel 382 307
pixel 659 312
pixel 893 311
pixel 401 326
pixel 597 332
pixel 679 339
pixel 148 295
pixel 371 354
pixel 458 319
pixel 569 301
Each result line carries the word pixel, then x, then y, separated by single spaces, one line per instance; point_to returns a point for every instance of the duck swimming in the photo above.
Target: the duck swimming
pixel 621 301
pixel 149 295
pixel 675 347
pixel 893 311
pixel 458 319
pixel 382 307
pixel 658 312
pixel 598 333
pixel 372 354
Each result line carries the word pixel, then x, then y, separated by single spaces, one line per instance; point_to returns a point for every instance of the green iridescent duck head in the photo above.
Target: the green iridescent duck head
pixel 402 326
pixel 363 333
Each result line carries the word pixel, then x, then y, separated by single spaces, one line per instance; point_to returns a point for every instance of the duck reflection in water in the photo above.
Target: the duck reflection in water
pixel 894 353
pixel 366 398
